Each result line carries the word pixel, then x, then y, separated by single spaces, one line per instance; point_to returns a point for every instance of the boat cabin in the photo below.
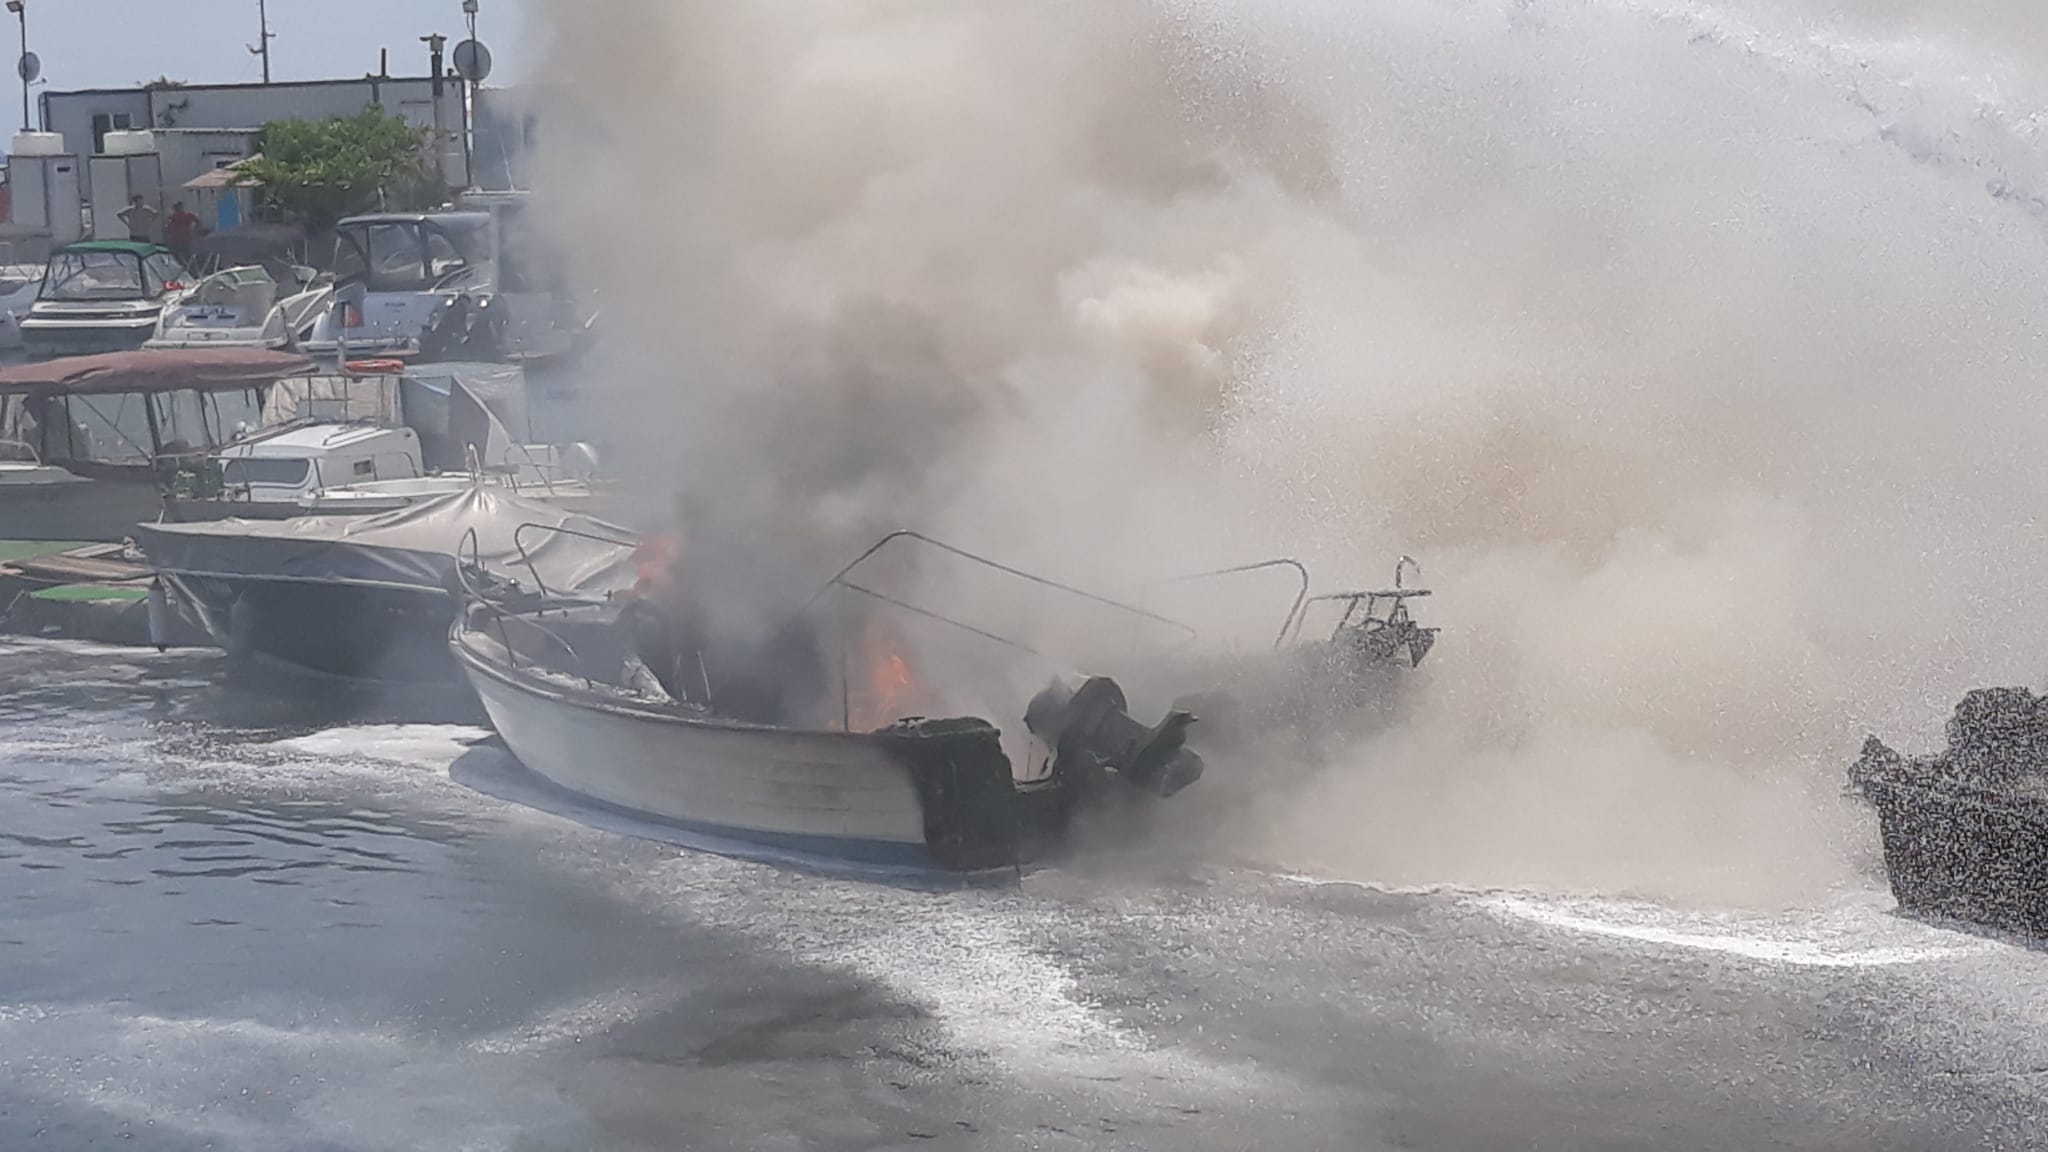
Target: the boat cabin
pixel 128 414
pixel 476 281
pixel 97 443
pixel 291 465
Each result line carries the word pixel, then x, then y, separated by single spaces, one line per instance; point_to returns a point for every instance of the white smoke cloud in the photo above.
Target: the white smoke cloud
pixel 1691 349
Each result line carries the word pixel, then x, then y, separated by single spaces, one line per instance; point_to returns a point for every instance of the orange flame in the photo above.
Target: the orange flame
pixel 655 560
pixel 881 688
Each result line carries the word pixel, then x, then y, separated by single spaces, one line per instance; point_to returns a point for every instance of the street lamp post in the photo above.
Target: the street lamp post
pixel 263 37
pixel 436 45
pixel 20 10
pixel 469 108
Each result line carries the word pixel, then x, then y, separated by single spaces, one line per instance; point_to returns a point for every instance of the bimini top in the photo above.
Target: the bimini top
pixel 136 248
pixel 154 370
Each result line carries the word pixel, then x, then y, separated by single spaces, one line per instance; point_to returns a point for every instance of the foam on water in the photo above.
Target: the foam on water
pixel 576 1020
pixel 427 746
pixel 981 964
pixel 1858 935
pixel 148 1070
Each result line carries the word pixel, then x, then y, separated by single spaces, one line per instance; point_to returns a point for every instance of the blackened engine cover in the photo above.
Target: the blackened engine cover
pixel 963 779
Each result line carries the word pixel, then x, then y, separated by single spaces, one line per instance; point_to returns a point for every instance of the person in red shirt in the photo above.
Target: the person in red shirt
pixel 180 230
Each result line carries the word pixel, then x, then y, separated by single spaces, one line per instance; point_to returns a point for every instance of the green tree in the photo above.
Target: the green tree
pixel 318 171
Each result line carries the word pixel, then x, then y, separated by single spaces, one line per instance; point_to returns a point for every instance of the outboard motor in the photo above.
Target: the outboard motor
pixel 1091 730
pixel 469 326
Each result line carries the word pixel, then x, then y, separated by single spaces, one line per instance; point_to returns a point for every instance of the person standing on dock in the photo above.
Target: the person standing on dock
pixel 141 221
pixel 181 228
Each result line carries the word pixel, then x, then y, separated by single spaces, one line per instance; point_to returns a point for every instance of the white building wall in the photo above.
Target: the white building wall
pixel 72 114
pixel 250 106
pixel 189 153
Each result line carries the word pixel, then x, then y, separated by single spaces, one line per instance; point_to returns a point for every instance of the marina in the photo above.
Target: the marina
pixel 1149 576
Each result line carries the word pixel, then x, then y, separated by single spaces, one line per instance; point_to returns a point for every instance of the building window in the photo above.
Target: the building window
pixel 105 122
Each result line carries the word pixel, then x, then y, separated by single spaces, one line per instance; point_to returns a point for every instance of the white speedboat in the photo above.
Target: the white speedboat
pixel 100 296
pixel 474 283
pixel 19 284
pixel 919 797
pixel 248 287
pixel 755 751
pixel 395 273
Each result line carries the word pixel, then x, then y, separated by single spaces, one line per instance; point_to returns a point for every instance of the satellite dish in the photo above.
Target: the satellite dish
pixel 472 61
pixel 30 67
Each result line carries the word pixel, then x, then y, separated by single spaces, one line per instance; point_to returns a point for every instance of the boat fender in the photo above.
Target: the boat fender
pixel 159 616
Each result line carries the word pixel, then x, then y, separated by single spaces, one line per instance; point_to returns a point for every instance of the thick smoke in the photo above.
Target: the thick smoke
pixel 1692 351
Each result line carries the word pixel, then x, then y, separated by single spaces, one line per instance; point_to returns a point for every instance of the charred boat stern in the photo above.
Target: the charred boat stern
pixel 1965 833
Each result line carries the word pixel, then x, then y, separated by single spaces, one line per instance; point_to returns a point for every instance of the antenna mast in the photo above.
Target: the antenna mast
pixel 262 45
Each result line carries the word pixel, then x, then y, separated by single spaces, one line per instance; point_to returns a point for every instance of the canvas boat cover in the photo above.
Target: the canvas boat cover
pixel 412 547
pixel 454 405
pixel 340 399
pixel 154 370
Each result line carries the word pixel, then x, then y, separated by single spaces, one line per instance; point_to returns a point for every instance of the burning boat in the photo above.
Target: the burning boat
pixel 1965 832
pixel 372 597
pixel 741 749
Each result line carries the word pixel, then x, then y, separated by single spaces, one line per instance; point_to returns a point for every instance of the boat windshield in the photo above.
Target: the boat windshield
pixel 14 278
pixel 115 428
pixel 94 276
pixel 407 256
pixel 281 471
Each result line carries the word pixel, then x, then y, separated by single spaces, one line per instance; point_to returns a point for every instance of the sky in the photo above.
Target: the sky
pixel 116 43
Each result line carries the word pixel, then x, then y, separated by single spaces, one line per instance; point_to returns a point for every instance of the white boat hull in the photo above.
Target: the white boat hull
pixel 821 794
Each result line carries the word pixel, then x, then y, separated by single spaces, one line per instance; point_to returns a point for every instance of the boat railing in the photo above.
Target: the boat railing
pixel 621 538
pixel 1395 599
pixel 34 457
pixel 468 560
pixel 547 480
pixel 1301 598
pixel 843 580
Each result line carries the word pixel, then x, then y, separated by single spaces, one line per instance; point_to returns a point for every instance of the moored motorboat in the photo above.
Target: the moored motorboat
pixel 247 287
pixel 96 443
pixel 370 597
pixel 100 296
pixel 19 284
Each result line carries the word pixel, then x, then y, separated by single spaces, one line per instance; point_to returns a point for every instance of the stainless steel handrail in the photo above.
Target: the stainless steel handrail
pixel 1300 597
pixel 526 558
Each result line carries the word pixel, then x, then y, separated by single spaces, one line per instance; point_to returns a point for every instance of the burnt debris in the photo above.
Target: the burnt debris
pixel 1965 832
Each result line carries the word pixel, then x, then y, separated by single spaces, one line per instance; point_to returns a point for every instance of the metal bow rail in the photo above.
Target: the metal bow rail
pixel 1300 596
pixel 842 580
pixel 469 559
pixel 620 537
pixel 1398 596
